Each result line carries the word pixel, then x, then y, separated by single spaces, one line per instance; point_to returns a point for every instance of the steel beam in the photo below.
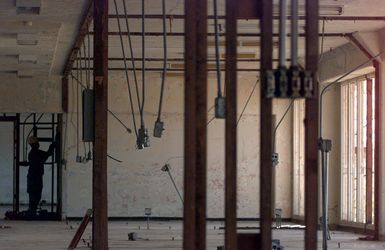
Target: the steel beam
pixel 231 127
pixel 99 184
pixel 266 145
pixel 195 129
pixel 369 150
pixel 311 128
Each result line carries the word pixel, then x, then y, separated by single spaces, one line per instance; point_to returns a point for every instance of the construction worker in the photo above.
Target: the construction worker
pixel 36 159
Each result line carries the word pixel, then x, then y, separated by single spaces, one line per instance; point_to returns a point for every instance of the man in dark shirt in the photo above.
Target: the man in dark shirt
pixel 36 159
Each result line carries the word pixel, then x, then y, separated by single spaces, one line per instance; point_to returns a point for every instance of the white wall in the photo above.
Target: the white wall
pixel 138 182
pixel 37 94
pixel 6 162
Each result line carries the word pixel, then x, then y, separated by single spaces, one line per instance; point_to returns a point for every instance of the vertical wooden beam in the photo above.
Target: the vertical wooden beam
pixel 311 128
pixel 16 143
pixel 100 214
pixel 266 108
pixel 195 148
pixel 231 127
pixel 369 150
pixel 64 94
pixel 377 151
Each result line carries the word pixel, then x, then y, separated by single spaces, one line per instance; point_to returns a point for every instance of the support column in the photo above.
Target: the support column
pixel 380 151
pixel 64 94
pixel 311 129
pixel 195 129
pixel 99 172
pixel 231 127
pixel 266 128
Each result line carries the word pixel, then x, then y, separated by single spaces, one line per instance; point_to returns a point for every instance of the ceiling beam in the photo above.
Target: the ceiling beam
pixel 329 18
pixel 83 31
pixel 181 69
pixel 177 59
pixel 174 34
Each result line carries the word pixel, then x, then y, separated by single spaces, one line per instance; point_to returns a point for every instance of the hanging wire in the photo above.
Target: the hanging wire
pixel 77 106
pixel 322 40
pixel 143 65
pixel 126 70
pixel 282 118
pixel 164 60
pixel 112 113
pixel 248 100
pixel 131 53
pixel 89 59
pixel 218 69
pixel 86 65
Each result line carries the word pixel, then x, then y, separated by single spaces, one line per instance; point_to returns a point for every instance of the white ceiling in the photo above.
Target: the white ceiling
pixel 57 24
pixel 54 28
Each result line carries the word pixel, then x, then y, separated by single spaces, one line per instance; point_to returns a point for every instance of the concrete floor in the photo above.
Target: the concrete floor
pixel 39 235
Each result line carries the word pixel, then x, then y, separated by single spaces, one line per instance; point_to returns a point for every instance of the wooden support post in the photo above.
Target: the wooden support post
pixel 311 128
pixel 369 150
pixel 100 218
pixel 377 151
pixel 231 127
pixel 195 148
pixel 266 127
pixel 64 94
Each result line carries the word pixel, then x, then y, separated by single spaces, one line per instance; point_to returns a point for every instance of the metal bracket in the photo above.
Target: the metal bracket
pixel 324 145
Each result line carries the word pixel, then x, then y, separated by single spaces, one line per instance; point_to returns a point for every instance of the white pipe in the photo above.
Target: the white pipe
pixel 282 32
pixel 294 33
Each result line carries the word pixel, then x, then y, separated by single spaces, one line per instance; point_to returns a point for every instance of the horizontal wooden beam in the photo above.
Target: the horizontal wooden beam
pixel 169 70
pixel 181 34
pixel 329 18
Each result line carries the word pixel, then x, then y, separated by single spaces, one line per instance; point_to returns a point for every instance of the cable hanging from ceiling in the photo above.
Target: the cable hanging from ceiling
pixel 126 70
pixel 220 102
pixel 143 140
pixel 159 125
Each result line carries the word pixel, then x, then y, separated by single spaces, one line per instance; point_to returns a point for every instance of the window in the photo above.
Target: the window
pixel 299 158
pixel 357 149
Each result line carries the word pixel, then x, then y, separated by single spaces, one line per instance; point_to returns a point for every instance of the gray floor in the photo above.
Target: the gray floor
pixel 34 235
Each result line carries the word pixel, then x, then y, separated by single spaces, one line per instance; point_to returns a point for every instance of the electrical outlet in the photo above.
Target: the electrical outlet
pixel 220 107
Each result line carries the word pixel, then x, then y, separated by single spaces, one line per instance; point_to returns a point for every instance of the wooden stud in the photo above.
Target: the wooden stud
pixel 195 148
pixel 100 201
pixel 266 128
pixel 231 127
pixel 311 128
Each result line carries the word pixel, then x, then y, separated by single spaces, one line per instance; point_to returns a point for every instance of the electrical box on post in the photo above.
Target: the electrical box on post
pixel 88 115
